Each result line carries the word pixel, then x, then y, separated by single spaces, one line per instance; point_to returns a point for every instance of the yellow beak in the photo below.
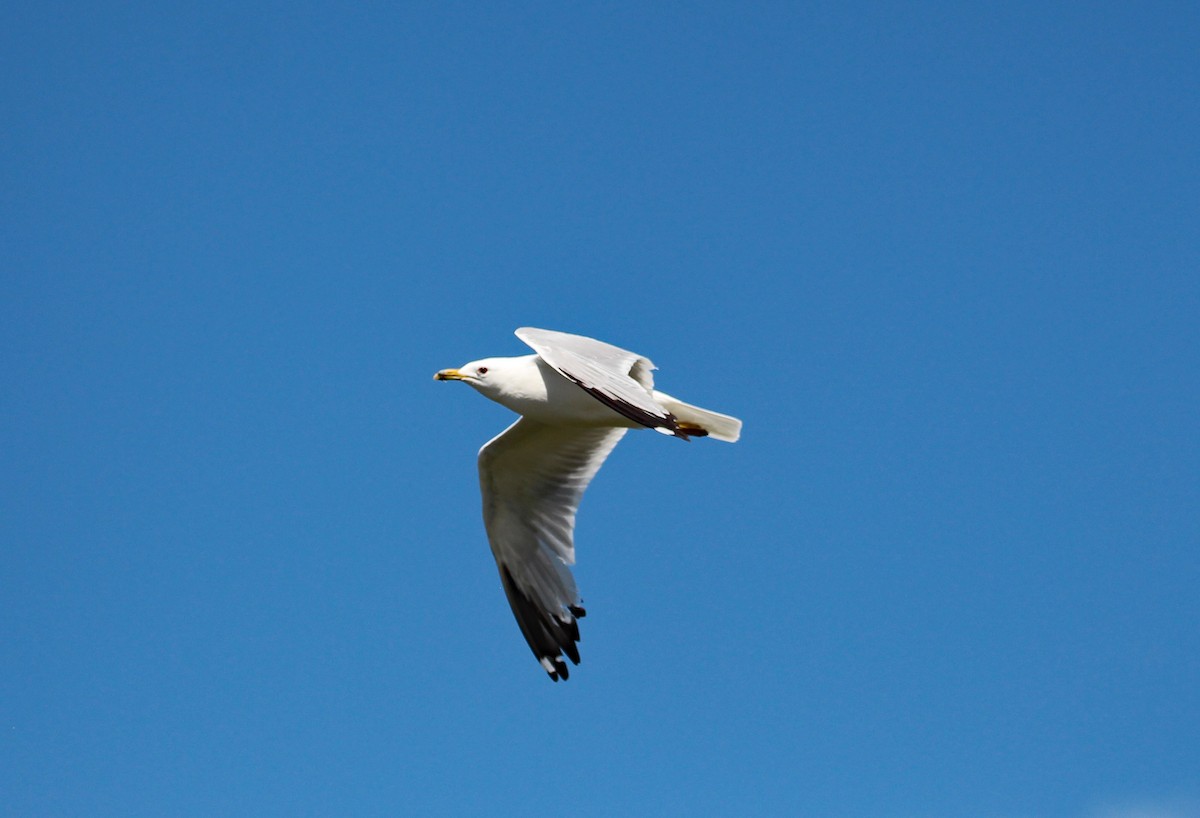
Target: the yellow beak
pixel 448 375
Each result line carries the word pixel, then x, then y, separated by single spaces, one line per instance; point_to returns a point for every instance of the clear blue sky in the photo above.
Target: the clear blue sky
pixel 943 259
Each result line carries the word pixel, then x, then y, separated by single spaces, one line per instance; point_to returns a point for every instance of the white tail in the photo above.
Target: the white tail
pixel 718 426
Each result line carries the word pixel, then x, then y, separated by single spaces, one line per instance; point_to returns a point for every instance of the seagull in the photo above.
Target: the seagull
pixel 576 398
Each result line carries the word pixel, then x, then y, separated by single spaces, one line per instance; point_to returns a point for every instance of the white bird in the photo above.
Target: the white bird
pixel 576 397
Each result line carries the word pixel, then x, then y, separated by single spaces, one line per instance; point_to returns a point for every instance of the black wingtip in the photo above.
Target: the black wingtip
pixel 548 636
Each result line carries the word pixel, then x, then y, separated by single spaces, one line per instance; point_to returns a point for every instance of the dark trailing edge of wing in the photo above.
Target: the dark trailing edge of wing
pixel 634 413
pixel 548 636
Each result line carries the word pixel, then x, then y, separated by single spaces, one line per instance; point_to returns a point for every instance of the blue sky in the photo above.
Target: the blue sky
pixel 941 258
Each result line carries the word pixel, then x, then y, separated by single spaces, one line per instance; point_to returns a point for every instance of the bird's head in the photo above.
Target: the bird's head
pixel 480 374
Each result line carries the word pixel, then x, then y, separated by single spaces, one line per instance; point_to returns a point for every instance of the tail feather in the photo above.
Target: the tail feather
pixel 713 424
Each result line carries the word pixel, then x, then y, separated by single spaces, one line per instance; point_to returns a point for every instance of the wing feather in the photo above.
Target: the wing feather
pixel 616 377
pixel 532 477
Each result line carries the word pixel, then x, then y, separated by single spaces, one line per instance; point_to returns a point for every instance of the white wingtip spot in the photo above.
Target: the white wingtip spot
pixel 663 430
pixel 548 665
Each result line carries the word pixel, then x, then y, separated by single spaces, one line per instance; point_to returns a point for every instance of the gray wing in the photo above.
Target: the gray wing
pixel 532 477
pixel 616 377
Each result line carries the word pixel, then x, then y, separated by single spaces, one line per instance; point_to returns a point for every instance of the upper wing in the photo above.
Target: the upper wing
pixel 616 377
pixel 532 477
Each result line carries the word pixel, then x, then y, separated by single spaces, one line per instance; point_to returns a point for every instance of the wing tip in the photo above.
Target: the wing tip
pixel 549 636
pixel 555 668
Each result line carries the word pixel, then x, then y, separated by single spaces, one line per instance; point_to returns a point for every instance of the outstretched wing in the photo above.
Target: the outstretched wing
pixel 616 377
pixel 532 477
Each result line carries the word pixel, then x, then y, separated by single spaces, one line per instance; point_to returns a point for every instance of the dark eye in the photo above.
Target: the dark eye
pixel 481 370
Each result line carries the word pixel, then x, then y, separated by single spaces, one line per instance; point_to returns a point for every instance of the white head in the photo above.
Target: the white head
pixel 487 375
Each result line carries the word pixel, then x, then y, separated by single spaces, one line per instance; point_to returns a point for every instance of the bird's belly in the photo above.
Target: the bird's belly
pixel 579 409
pixel 564 403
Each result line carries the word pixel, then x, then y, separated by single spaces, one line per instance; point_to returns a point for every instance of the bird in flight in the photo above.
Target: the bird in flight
pixel 576 397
